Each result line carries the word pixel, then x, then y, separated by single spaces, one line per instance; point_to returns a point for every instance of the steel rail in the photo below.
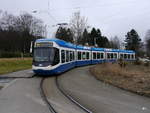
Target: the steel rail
pixel 51 108
pixel 71 98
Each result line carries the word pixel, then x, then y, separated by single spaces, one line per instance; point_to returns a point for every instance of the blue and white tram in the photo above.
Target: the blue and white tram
pixel 54 56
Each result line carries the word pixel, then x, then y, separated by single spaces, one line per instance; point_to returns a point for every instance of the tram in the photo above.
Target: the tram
pixel 54 56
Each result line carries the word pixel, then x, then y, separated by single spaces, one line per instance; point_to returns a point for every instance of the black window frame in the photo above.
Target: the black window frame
pixel 79 55
pixel 102 55
pixel 129 56
pixel 87 55
pixel 121 56
pixel 63 58
pixel 71 55
pixel 94 55
pixel 98 55
pixel 125 56
pixel 67 56
pixel 132 56
pixel 83 55
pixel 108 56
pixel 56 57
pixel 115 55
pixel 111 55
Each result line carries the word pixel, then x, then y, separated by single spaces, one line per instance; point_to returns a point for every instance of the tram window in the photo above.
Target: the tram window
pixel 121 56
pixel 112 55
pixel 132 56
pixel 87 55
pixel 98 55
pixel 108 56
pixel 125 56
pixel 94 55
pixel 102 55
pixel 128 56
pixel 67 56
pixel 62 56
pixel 56 57
pixel 115 55
pixel 83 56
pixel 79 55
pixel 71 55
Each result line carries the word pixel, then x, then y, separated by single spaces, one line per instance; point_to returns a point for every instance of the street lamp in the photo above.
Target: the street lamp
pixel 95 44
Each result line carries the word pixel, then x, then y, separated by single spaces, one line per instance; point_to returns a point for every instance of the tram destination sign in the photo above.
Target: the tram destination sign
pixel 44 44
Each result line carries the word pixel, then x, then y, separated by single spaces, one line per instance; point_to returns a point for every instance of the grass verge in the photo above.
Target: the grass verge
pixel 8 65
pixel 1 87
pixel 134 78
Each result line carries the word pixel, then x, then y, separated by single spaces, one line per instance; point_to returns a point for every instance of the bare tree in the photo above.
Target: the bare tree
pixel 7 21
pixel 78 24
pixel 26 22
pixel 0 19
pixel 147 36
pixel 115 42
pixel 17 32
pixel 38 28
pixel 147 42
pixel 1 12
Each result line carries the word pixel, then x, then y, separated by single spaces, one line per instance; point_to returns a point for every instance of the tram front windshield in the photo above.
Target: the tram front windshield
pixel 46 54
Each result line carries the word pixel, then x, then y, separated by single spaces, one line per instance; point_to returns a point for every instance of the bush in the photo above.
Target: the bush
pixel 137 62
pixel 27 55
pixel 146 64
pixel 9 54
pixel 13 54
pixel 122 63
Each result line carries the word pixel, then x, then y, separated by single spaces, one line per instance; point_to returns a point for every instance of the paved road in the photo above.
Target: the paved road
pixel 24 73
pixel 22 95
pixel 100 97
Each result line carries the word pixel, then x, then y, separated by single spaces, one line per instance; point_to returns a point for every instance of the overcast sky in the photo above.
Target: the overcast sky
pixel 113 17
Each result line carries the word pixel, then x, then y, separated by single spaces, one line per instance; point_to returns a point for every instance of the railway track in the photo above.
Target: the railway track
pixel 51 108
pixel 70 97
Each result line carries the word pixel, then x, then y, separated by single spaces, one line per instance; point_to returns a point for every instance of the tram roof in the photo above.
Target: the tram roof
pixel 97 49
pixel 119 50
pixel 64 44
pixel 127 51
pixel 83 47
pixel 69 45
pixel 59 42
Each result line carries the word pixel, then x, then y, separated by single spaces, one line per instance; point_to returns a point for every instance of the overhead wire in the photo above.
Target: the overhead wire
pixel 79 7
pixel 49 12
pixel 94 6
